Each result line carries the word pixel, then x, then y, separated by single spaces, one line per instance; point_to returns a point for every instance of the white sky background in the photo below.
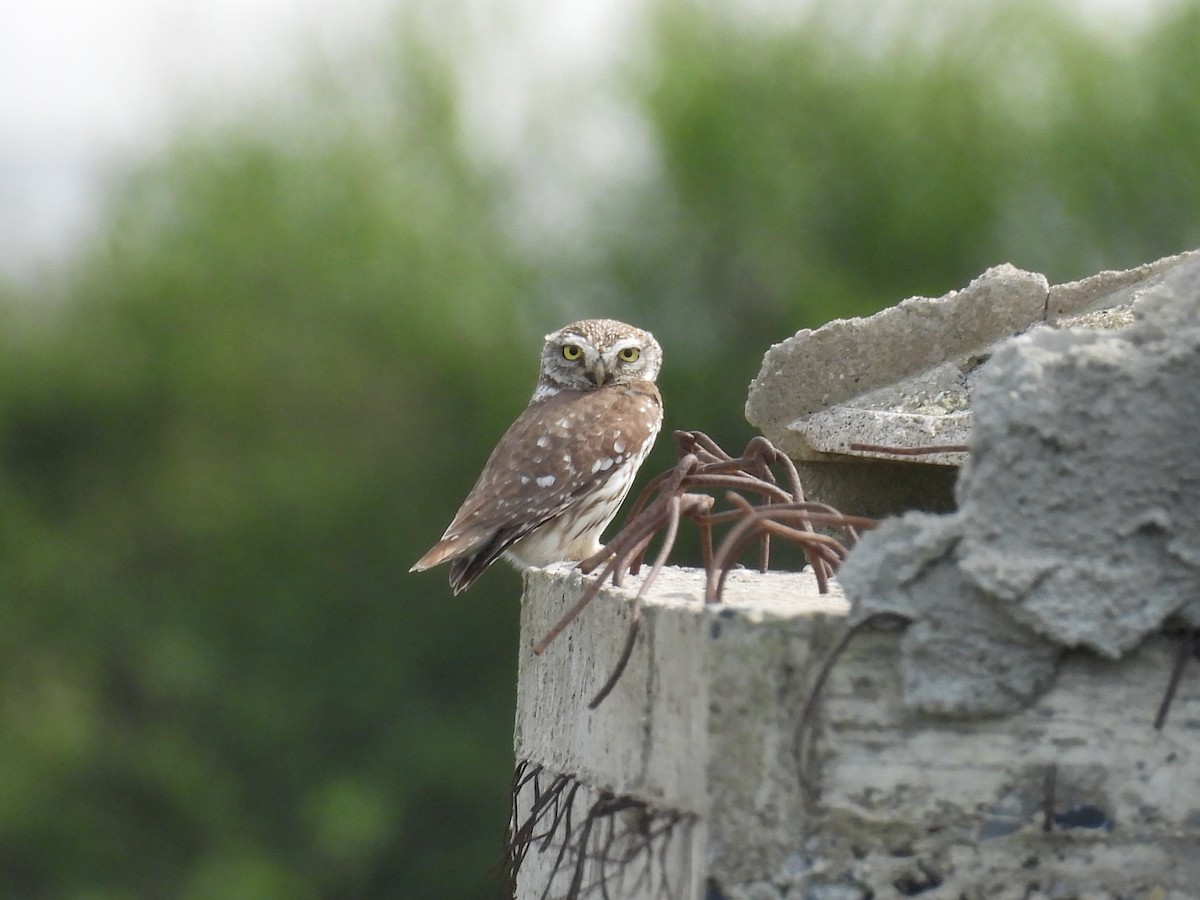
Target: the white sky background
pixel 85 86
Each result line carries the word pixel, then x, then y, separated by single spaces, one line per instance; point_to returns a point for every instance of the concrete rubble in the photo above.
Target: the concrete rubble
pixel 1001 744
pixel 1077 521
pixel 906 377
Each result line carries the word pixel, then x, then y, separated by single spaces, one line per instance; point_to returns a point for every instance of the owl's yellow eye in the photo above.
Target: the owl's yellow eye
pixel 630 354
pixel 571 352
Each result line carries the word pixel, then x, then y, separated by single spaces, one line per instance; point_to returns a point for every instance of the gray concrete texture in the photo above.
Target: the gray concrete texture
pixel 700 724
pixel 906 377
pixel 1073 796
pixel 1078 521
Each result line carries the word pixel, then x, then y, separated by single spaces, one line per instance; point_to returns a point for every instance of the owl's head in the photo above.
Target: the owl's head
pixel 593 353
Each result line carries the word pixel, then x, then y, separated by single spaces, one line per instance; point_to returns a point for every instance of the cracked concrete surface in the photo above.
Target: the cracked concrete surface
pixel 680 644
pixel 906 376
pixel 1077 523
pixel 702 720
pixel 1000 746
pixel 704 724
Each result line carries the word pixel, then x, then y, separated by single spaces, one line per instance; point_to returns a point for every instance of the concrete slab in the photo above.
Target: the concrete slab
pixel 1077 523
pixel 905 377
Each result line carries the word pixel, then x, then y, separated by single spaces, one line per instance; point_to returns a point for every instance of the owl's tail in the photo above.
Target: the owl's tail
pixel 469 554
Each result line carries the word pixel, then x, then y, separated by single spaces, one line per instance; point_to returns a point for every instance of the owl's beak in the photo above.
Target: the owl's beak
pixel 600 376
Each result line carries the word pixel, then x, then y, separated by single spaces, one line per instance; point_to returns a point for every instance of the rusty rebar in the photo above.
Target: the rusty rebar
pixel 686 491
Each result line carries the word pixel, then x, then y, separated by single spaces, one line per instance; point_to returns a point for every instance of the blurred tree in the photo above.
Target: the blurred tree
pixel 863 153
pixel 218 457
pixel 269 385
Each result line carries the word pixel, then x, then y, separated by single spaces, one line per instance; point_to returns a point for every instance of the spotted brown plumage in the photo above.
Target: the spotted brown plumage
pixel 560 473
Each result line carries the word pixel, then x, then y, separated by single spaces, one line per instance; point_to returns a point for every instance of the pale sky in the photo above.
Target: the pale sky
pixel 85 86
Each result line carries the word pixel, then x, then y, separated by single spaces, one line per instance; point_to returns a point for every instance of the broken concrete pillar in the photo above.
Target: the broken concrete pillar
pixel 1000 745
pixel 691 769
pixel 696 737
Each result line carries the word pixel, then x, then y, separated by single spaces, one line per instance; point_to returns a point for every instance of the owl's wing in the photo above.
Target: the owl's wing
pixel 557 451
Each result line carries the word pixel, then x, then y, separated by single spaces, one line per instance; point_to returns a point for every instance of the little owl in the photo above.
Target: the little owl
pixel 559 474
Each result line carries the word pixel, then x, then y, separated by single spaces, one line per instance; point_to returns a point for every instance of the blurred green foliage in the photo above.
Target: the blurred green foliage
pixel 262 393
